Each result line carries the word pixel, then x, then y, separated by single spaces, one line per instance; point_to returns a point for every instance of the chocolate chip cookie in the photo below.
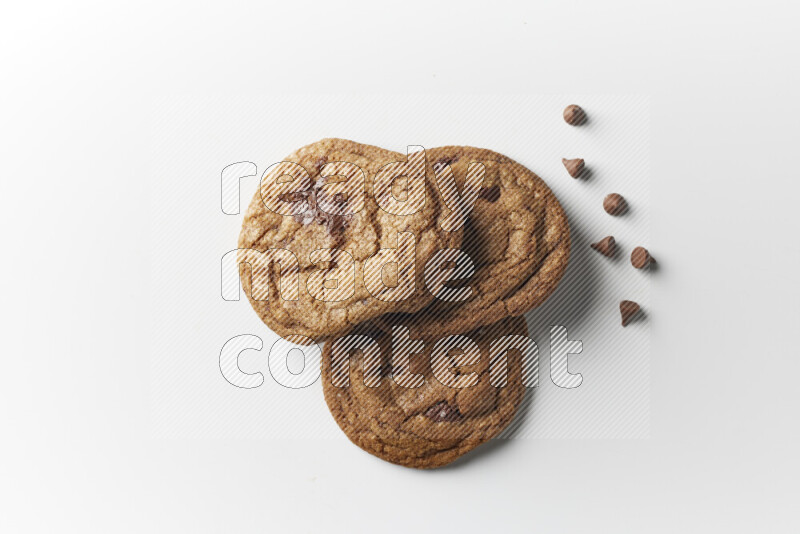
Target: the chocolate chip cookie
pixel 332 209
pixel 517 237
pixel 425 407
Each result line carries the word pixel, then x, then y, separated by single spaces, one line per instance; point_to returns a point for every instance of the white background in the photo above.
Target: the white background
pixel 80 83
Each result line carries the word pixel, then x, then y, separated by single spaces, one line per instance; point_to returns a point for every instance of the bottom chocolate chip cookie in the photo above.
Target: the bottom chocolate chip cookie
pixel 425 407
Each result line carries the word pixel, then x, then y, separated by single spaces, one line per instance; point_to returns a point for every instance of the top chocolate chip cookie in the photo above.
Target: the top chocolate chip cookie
pixel 516 236
pixel 340 233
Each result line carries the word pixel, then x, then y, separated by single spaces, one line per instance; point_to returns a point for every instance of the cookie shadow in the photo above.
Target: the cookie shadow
pixel 503 439
pixel 571 306
pixel 476 454
pixel 577 294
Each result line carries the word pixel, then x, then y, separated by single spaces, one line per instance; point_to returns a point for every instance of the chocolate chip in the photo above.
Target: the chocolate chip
pixel 492 194
pixel 442 412
pixel 615 204
pixel 321 162
pixel 628 308
pixel 641 258
pixel 574 115
pixel 606 246
pixel 574 166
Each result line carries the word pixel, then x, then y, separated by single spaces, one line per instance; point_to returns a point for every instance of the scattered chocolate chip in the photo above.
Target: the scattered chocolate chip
pixel 442 412
pixel 574 115
pixel 641 258
pixel 628 308
pixel 606 246
pixel 321 162
pixel 492 194
pixel 614 204
pixel 574 166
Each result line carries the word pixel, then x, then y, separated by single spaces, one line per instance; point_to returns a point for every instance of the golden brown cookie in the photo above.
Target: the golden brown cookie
pixel 458 404
pixel 517 236
pixel 324 307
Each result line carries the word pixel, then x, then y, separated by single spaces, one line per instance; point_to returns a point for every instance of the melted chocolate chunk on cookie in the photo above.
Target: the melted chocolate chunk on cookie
pixel 335 224
pixel 306 217
pixel 442 162
pixel 492 194
pixel 443 412
pixel 294 196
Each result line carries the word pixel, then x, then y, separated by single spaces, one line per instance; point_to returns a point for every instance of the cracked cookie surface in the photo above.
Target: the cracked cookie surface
pixel 361 235
pixel 517 236
pixel 430 425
